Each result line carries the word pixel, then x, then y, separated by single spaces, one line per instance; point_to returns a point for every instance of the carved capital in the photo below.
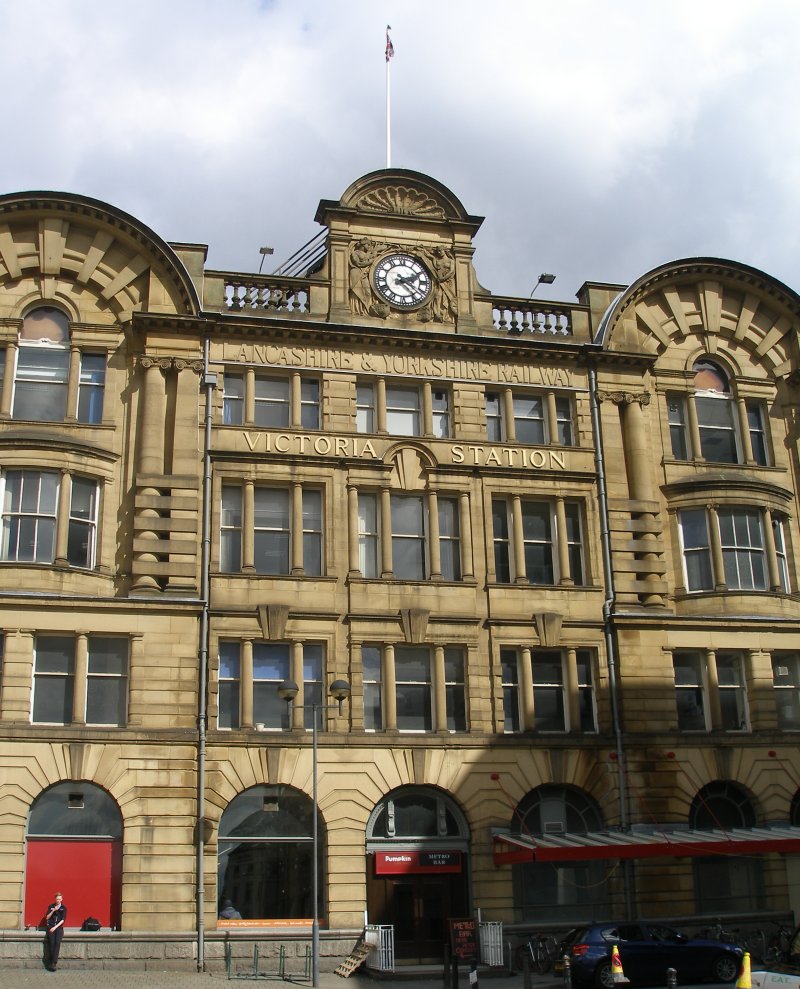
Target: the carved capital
pixel 624 397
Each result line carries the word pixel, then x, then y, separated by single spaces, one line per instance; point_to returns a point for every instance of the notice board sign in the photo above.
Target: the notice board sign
pixel 464 939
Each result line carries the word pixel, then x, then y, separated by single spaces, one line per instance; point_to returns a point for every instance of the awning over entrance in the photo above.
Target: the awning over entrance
pixel 509 848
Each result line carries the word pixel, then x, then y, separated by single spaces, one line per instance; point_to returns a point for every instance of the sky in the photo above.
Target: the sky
pixel 598 138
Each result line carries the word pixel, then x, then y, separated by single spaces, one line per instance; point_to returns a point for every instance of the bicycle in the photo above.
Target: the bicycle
pixel 539 951
pixel 777 950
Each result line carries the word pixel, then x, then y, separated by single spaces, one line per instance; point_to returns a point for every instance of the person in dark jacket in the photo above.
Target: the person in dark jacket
pixel 55 918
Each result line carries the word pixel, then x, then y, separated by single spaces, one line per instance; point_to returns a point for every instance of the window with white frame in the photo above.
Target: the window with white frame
pixel 449 539
pixel 440 413
pixel 732 692
pixel 272 545
pixel 541 531
pixel 549 706
pixel 408 537
pixel 512 711
pixel 373 687
pixel 532 418
pixel 413 688
pixel 690 691
pixel 718 426
pixel 587 713
pixel 31 500
pixel 403 411
pixel 230 668
pixel 738 533
pixel 272 402
pixel 365 407
pixel 107 680
pixel 309 403
pixel 43 368
pixel 233 399
pixel 562 685
pixel 368 534
pixel 270 668
pixel 455 689
pixel 105 688
pixel 786 681
pixel 53 679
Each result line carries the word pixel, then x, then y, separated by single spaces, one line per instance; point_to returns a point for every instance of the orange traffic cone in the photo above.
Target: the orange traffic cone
pixel 616 968
pixel 744 982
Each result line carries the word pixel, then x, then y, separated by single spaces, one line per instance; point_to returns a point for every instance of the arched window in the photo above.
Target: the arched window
pixel 43 391
pixel 725 434
pixel 416 813
pixel 723 882
pixel 265 859
pixel 545 891
pixel 74 843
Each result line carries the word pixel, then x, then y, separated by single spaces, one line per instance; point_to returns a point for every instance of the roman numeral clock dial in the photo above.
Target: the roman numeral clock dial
pixel 402 280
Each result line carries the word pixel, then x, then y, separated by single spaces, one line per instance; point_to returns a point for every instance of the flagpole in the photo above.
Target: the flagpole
pixel 389 56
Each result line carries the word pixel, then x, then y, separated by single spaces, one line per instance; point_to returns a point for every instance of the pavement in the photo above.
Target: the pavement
pixel 71 976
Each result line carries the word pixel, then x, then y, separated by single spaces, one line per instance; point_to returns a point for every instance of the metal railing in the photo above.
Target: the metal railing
pixel 490 937
pixel 380 938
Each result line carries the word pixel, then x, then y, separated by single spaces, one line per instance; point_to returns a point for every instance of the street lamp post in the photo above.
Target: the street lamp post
pixel 287 691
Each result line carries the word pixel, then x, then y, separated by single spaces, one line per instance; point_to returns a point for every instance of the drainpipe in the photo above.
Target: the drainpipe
pixel 608 620
pixel 209 383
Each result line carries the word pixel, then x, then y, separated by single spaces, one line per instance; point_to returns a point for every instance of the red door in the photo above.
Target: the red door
pixel 88 873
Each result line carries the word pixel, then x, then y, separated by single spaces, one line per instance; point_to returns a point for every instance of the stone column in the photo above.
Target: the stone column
pixel 151 459
pixel 439 691
pixel 573 711
pixel 296 535
pixel 297 716
pixel 389 688
pixel 246 684
pixel 354 562
pixel 772 557
pixel 249 396
pixel 62 520
pixel 73 383
pixel 380 402
pixel 520 568
pixel 427 409
pixel 80 681
pixel 295 401
pixel 8 379
pixel 525 674
pixel 717 561
pixel 465 527
pixel 434 548
pixel 694 428
pixel 714 706
pixel 386 533
pixel 744 432
pixel 551 417
pixel 248 527
pixel 565 575
pixel 510 426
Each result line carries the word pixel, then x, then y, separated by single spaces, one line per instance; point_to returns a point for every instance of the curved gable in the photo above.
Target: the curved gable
pixel 710 298
pixel 88 255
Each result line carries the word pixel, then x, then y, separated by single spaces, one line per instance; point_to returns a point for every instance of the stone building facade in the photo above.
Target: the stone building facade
pixel 549 547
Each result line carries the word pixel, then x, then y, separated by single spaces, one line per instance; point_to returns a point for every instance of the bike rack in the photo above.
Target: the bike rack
pixel 281 974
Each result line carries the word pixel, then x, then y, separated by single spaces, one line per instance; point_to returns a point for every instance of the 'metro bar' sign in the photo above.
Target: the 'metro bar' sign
pixel 398 863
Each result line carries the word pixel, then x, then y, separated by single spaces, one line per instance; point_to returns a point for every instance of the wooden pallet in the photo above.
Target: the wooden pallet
pixel 356 958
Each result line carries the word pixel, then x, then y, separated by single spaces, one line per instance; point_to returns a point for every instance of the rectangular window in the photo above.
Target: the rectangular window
pixel 718 441
pixel 786 679
pixel 756 423
pixel 107 680
pixel 272 396
pixel 780 553
pixel 696 549
pixel 373 692
pixel 566 432
pixel 413 688
pixel 91 388
pixel 440 404
pixel 40 385
pixel 743 553
pixel 312 685
pixel 548 691
pixel 233 400
pixel 231 529
pixel 449 539
pixel 53 679
pixel 494 417
pixel 572 515
pixel 676 406
pixel 502 544
pixel 365 408
pixel 537 537
pixel 312 532
pixel 529 423
pixel 309 403
pixel 30 503
pixel 402 411
pixel 586 701
pixel 690 691
pixel 732 692
pixel 511 695
pixel 82 530
pixel 270 668
pixel 271 520
pixel 229 685
pixel 368 535
pixel 455 690
pixel 408 537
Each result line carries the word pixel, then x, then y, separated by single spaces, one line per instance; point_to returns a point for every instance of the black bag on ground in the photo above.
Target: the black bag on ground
pixel 91 924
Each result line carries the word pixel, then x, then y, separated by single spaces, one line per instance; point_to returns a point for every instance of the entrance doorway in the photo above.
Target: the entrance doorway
pixel 417 870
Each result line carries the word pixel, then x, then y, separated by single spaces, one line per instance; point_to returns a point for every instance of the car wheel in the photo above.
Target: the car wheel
pixel 603 976
pixel 725 968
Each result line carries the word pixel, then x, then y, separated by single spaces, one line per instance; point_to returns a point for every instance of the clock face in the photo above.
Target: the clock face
pixel 402 280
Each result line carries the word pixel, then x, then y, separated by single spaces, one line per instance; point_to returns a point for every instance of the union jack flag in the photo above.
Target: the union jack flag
pixel 389 45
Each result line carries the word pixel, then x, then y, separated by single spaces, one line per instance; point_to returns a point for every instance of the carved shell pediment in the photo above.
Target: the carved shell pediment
pixel 402 199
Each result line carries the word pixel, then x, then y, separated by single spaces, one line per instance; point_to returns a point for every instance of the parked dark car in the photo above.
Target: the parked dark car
pixel 646 952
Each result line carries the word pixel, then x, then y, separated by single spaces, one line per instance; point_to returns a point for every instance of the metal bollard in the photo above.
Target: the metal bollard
pixel 526 971
pixel 567 972
pixel 672 978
